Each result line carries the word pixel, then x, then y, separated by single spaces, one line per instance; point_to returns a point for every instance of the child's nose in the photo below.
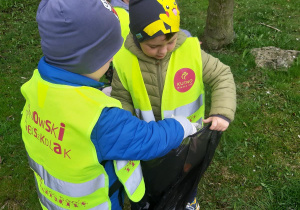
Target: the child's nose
pixel 163 50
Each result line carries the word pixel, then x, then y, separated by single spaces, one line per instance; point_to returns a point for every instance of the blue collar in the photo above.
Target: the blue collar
pixel 60 76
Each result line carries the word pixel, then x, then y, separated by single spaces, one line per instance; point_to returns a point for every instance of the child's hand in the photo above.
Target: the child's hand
pixel 217 124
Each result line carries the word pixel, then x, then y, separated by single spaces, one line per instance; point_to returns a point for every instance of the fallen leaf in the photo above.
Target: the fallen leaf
pixel 10 118
pixel 246 84
pixel 258 188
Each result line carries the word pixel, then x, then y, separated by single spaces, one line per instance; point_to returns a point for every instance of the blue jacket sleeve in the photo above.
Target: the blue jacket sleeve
pixel 120 136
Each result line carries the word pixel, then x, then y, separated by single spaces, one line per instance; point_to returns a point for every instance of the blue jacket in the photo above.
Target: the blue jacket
pixel 118 135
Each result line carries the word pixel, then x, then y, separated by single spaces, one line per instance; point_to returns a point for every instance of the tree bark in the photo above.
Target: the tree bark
pixel 218 30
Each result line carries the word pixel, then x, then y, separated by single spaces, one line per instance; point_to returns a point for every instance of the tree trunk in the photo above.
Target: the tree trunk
pixel 218 31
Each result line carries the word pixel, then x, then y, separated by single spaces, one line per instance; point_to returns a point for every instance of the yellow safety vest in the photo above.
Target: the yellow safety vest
pixel 183 92
pixel 124 21
pixel 56 135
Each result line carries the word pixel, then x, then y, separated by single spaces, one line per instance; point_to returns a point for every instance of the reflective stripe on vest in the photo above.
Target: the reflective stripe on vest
pixel 145 115
pixel 134 181
pixel 57 139
pixel 183 92
pixel 67 188
pixel 50 205
pixel 187 110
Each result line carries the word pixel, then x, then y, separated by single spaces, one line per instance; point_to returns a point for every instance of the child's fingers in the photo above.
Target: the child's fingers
pixel 217 124
pixel 214 124
pixel 207 120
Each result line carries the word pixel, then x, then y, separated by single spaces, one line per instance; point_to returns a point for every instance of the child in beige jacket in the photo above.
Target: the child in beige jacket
pixel 160 61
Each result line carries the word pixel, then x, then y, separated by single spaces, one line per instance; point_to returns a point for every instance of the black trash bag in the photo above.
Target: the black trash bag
pixel 171 179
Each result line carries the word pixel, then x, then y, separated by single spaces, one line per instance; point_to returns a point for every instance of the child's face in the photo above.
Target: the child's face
pixel 159 46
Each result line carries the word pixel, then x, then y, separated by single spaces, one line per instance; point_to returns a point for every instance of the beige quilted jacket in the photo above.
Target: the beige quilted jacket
pixel 215 74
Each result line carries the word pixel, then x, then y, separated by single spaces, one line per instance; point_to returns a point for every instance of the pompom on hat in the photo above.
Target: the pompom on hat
pixel 80 35
pixel 151 18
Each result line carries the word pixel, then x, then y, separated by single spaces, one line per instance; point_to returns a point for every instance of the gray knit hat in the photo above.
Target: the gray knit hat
pixel 151 18
pixel 78 35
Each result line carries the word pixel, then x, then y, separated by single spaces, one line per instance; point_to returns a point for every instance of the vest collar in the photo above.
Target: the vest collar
pixel 57 75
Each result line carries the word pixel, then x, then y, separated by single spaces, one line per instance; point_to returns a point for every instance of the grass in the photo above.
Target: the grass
pixel 256 165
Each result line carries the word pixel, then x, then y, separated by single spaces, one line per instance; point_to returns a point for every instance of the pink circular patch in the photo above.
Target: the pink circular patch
pixel 184 79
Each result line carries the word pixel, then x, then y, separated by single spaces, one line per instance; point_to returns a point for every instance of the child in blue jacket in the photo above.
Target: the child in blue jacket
pixel 78 140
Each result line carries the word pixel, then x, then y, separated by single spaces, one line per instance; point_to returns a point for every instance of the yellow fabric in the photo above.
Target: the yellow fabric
pixel 64 201
pixel 57 135
pixel 126 64
pixel 124 21
pixel 171 98
pixel 126 172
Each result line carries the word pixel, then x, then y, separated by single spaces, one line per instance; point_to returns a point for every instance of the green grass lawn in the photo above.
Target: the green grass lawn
pixel 256 165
